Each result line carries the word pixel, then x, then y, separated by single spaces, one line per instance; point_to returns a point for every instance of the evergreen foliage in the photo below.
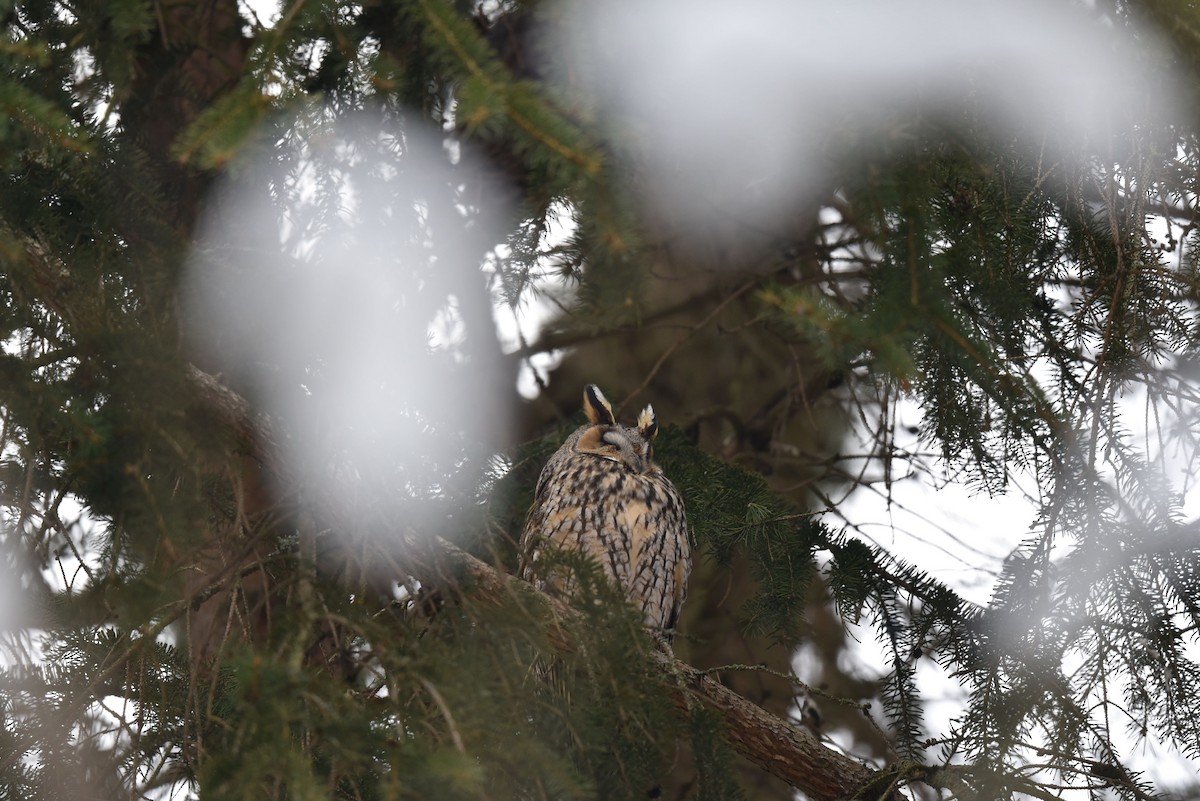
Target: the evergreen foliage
pixel 193 625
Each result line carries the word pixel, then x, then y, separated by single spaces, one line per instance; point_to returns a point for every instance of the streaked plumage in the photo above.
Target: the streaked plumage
pixel 602 493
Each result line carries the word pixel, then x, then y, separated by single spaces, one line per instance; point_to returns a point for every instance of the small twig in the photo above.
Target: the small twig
pixel 658 365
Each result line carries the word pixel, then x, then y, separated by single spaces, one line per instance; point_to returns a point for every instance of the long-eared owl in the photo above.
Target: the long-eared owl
pixel 601 493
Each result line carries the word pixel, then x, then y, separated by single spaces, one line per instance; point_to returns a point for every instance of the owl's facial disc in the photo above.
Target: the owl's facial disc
pixel 630 450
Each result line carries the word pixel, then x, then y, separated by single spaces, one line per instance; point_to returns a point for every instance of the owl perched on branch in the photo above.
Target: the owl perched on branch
pixel 602 494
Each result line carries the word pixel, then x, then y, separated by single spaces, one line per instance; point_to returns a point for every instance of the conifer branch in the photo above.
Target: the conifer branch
pixel 447 25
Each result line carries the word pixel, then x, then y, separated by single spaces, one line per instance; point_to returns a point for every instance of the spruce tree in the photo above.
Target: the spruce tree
pixel 194 617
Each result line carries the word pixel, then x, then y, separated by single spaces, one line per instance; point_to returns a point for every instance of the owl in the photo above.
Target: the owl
pixel 602 494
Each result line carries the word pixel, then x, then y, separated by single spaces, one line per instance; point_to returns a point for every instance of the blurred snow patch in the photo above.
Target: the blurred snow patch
pixel 745 109
pixel 337 283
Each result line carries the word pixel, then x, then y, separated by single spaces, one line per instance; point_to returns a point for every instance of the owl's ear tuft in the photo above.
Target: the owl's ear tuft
pixel 648 423
pixel 596 406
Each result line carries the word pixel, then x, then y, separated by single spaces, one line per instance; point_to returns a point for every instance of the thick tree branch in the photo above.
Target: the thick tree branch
pixel 780 747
